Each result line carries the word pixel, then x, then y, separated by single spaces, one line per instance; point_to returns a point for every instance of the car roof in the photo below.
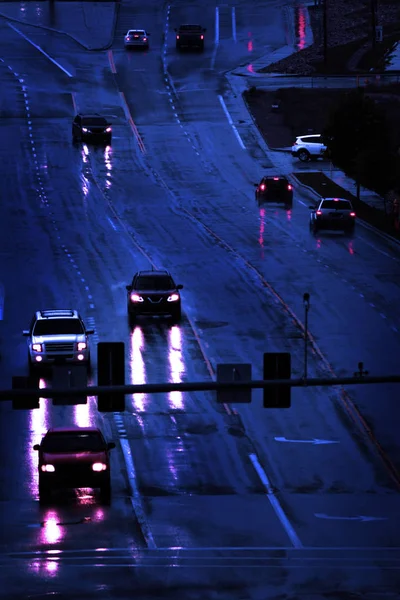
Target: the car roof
pixel 57 314
pixel 73 429
pixel 336 199
pixel 154 273
pixel 91 116
pixel 309 135
pixel 129 30
pixel 274 177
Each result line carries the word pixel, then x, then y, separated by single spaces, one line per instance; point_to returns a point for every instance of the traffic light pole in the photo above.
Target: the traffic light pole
pixel 306 300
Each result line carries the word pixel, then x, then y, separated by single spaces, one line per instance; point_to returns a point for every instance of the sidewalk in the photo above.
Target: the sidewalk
pixel 90 24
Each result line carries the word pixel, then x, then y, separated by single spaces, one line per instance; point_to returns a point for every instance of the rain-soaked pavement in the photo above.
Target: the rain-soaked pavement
pixel 206 504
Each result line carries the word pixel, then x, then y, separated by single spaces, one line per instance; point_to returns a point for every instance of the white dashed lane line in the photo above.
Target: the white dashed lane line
pixel 40 188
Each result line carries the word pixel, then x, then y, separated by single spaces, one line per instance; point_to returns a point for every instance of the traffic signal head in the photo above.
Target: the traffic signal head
pixel 24 402
pixel 111 371
pixel 277 365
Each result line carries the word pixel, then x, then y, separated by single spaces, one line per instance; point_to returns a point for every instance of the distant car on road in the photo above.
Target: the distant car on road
pixel 72 457
pixel 190 36
pixel 274 188
pixel 154 293
pixel 91 128
pixel 307 147
pixel 137 38
pixel 57 337
pixel 333 214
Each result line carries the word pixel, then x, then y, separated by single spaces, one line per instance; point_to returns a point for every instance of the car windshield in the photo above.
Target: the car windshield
pixel 58 327
pixel 137 32
pixel 336 204
pixel 93 121
pixel 191 28
pixel 67 442
pixel 154 283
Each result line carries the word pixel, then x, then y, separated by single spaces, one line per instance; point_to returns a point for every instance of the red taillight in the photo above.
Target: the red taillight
pixel 177 37
pixel 202 37
pixel 128 38
pixel 352 214
pixel 276 178
pixel 262 186
pixel 319 212
pixel 145 39
pixel 289 187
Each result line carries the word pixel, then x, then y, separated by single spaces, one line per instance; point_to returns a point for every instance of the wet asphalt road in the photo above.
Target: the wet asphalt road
pixel 176 190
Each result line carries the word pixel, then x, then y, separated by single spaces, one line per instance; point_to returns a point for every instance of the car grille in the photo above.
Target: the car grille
pixel 56 347
pixel 155 299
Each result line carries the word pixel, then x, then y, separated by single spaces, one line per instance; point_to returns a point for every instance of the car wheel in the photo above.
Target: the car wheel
pixel 44 493
pixel 105 493
pixel 304 155
pixel 176 316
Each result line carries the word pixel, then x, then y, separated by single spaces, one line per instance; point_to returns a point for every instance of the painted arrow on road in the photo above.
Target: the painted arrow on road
pixel 361 518
pixel 314 441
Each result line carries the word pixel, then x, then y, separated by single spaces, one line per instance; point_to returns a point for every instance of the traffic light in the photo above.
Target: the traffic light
pixel 277 365
pixel 24 402
pixel 111 371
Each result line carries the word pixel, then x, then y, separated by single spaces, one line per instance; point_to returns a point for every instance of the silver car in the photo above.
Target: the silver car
pixel 137 38
pixel 57 336
pixel 333 214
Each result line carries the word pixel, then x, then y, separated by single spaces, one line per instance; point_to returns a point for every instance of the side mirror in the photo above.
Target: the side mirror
pixel 129 288
pixel 110 446
pixel 25 332
pixel 179 287
pixel 36 447
pixel 89 331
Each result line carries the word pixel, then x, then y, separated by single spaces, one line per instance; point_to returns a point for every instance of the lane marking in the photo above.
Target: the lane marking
pixel 228 116
pixel 131 122
pixel 111 61
pixel 40 50
pixel 275 503
pixel 216 41
pixel 136 498
pixel 234 24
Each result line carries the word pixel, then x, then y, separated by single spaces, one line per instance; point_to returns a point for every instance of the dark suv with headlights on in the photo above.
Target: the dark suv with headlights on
pixel 91 128
pixel 274 188
pixel 72 457
pixel 333 214
pixel 154 293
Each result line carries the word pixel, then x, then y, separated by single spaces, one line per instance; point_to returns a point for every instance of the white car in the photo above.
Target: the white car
pixel 137 38
pixel 307 147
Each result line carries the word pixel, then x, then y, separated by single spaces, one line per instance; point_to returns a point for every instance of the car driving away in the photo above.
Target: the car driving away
pixel 154 293
pixel 333 214
pixel 274 188
pixel 57 337
pixel 91 128
pixel 137 38
pixel 190 36
pixel 74 457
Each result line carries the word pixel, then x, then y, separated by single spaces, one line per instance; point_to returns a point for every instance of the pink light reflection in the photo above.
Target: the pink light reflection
pixel 137 368
pixel 108 163
pixel 48 567
pixel 172 458
pixel 39 423
pixel 51 532
pixel 319 243
pixel 250 68
pixel 176 364
pixel 301 34
pixel 289 215
pixel 350 248
pixel 85 414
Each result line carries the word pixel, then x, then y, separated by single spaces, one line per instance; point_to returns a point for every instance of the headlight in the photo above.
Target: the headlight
pixel 82 346
pixel 108 130
pixel 136 298
pixel 173 298
pixel 99 467
pixel 48 468
pixel 37 347
pixel 84 129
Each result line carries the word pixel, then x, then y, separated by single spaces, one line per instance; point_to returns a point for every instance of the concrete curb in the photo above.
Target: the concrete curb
pixel 363 223
pixel 72 37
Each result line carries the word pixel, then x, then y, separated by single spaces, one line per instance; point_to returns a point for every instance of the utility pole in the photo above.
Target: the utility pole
pixel 325 24
pixel 373 22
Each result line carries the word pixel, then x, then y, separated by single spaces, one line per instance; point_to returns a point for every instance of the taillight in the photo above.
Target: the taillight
pixel 262 186
pixel 202 37
pixel 352 214
pixel 319 212
pixel 177 37
pixel 145 39
pixel 276 178
pixel 289 187
pixel 128 39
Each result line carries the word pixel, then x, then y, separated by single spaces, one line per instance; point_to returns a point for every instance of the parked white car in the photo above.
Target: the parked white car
pixel 307 147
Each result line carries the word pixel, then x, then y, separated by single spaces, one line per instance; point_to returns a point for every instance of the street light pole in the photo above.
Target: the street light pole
pixel 306 300
pixel 373 22
pixel 325 23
